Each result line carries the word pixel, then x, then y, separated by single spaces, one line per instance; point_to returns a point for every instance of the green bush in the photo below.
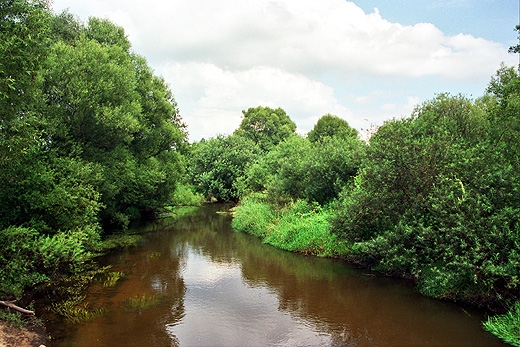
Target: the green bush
pixel 436 199
pixel 186 196
pixel 216 165
pixel 28 259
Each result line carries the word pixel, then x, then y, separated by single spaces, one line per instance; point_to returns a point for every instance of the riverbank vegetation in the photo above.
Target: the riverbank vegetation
pixel 433 197
pixel 90 142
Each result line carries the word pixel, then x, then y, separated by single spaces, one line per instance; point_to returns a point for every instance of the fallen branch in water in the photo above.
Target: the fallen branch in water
pixel 14 307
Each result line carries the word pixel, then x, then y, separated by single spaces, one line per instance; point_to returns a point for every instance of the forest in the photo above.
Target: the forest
pixel 91 141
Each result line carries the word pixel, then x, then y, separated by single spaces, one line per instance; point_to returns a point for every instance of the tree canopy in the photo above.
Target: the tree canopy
pixel 329 126
pixel 266 126
pixel 89 137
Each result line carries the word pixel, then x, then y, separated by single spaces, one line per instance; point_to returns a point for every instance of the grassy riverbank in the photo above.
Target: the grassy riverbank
pixel 297 227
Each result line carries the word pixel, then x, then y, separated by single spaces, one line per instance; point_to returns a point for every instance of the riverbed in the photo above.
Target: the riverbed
pixel 197 282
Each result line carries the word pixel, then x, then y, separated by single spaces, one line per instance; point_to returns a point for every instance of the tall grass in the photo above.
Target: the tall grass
pixel 297 227
pixel 185 195
pixel 254 216
pixel 76 311
pixel 506 326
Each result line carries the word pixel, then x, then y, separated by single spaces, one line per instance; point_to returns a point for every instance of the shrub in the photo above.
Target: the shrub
pixel 27 258
pixel 187 196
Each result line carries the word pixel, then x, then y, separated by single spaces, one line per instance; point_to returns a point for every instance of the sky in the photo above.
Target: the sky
pixel 364 61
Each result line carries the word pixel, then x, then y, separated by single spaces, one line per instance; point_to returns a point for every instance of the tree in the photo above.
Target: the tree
pixel 299 169
pixel 434 200
pixel 265 126
pixel 330 125
pixel 106 33
pixel 106 107
pixel 23 44
pixel 216 165
pixel 88 134
pixel 66 27
pixel 330 167
pixel 516 49
pixel 23 49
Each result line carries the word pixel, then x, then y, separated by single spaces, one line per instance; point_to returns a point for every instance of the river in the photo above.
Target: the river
pixel 197 282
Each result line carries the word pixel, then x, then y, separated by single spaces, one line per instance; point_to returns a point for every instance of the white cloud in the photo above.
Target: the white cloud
pixel 218 96
pixel 308 57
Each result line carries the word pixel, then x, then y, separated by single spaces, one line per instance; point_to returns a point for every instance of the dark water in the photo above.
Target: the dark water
pixel 207 285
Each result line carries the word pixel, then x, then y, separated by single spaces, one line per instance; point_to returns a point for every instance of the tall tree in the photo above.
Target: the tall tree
pixel 106 106
pixel 329 126
pixel 216 165
pixel 516 49
pixel 266 126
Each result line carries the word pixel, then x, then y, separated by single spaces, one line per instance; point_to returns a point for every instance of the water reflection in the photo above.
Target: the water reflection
pixel 217 287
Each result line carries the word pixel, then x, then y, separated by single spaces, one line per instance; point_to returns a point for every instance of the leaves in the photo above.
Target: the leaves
pixel 265 126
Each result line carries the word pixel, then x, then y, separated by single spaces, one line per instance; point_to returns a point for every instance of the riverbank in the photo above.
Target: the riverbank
pixel 30 336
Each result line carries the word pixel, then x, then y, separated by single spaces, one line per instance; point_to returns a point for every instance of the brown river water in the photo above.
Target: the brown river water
pixel 204 284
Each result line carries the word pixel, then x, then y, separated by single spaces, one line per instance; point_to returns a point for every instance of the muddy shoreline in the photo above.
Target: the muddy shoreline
pixel 32 335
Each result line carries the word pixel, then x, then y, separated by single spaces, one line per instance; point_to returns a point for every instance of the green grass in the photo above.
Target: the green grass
pixel 297 227
pixel 15 319
pixel 254 216
pixel 119 241
pixel 77 312
pixel 187 196
pixel 112 277
pixel 506 326
pixel 142 302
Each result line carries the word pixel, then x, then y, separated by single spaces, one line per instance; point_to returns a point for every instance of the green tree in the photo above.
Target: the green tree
pixel 330 167
pixel 87 134
pixel 216 165
pixel 516 49
pixel 66 27
pixel 106 33
pixel 23 44
pixel 286 165
pixel 108 108
pixel 330 125
pixel 299 169
pixel 23 49
pixel 265 126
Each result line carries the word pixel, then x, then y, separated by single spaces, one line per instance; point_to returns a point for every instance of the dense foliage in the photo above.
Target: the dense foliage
pixel 216 165
pixel 288 193
pixel 265 126
pixel 331 126
pixel 89 137
pixel 437 199
pixel 297 227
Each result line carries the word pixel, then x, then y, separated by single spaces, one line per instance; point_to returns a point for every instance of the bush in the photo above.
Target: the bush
pixel 437 200
pixel 186 196
pixel 28 259
pixel 253 215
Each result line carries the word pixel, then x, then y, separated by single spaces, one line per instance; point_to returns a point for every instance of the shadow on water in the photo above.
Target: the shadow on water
pixel 199 283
